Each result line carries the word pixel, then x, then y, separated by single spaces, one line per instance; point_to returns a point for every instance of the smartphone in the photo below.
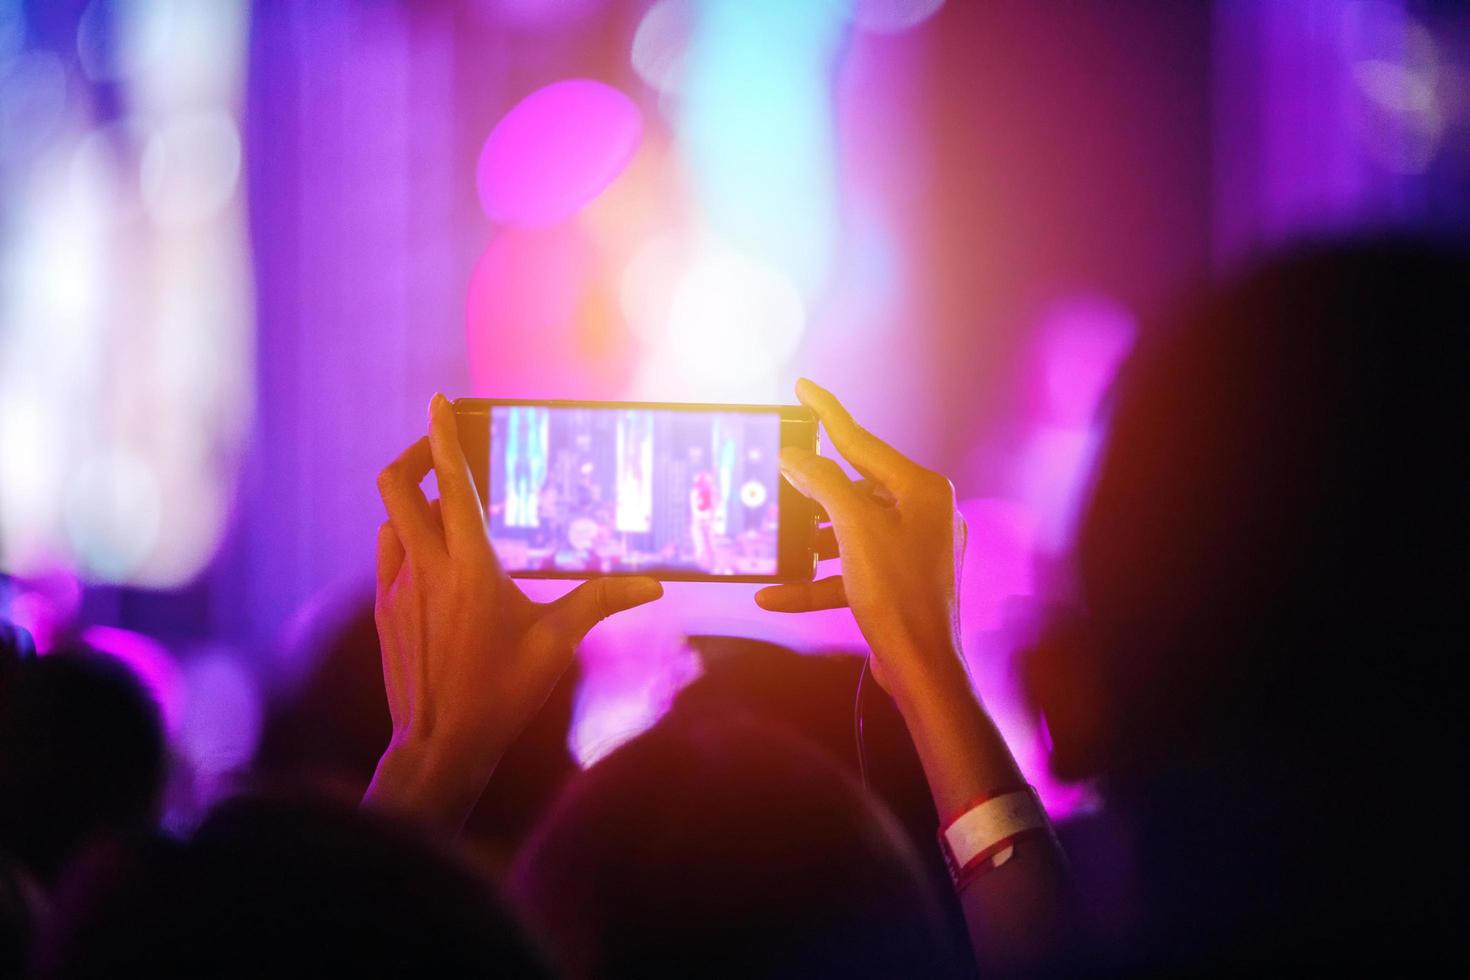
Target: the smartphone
pixel 675 491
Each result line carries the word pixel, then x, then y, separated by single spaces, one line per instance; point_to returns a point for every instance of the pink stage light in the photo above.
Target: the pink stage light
pixel 557 149
pixel 46 605
pixel 1083 339
pixel 999 562
pixel 533 326
pixel 539 14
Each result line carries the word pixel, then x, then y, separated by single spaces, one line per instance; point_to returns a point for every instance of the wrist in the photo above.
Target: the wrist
pixel 923 675
pixel 429 780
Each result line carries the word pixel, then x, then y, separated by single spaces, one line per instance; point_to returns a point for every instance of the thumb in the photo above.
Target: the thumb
pixel 574 614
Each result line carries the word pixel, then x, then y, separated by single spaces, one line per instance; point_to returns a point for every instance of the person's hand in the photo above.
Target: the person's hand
pixel 468 659
pixel 901 542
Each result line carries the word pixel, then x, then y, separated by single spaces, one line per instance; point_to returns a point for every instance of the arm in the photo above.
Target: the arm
pixel 901 541
pixel 467 658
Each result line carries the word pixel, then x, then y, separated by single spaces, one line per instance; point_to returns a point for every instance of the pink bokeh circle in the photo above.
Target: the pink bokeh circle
pixel 555 150
pixel 537 322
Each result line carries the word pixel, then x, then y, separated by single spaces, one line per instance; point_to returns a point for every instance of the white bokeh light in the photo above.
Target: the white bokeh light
pixel 646 290
pixel 191 167
pixel 113 510
pixel 661 43
pixel 733 323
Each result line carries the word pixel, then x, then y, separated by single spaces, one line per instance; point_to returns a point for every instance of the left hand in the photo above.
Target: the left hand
pixel 468 659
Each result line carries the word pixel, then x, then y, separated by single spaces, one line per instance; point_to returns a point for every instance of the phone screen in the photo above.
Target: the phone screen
pixel 634 490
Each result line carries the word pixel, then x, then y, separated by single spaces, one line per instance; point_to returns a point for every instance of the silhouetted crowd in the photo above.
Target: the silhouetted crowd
pixel 1257 668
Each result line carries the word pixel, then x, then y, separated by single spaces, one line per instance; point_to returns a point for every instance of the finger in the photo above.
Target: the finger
pixel 872 457
pixel 574 614
pixel 408 510
pixel 464 521
pixel 390 557
pixel 822 480
pixel 824 593
pixel 385 620
pixel 825 544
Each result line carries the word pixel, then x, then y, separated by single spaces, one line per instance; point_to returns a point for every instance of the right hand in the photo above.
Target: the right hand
pixel 901 541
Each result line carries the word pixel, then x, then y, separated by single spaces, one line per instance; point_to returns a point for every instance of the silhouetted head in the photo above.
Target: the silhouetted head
pixel 1274 569
pixel 728 850
pixel 82 754
pixel 1277 536
pixel 814 696
pixel 266 886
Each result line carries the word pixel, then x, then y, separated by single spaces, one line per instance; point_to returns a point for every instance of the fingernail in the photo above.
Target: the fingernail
pixel 642 590
pixel 802 383
pixel 437 404
pixel 791 458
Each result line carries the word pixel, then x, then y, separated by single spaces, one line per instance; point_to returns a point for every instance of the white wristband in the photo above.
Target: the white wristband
pixel 987 829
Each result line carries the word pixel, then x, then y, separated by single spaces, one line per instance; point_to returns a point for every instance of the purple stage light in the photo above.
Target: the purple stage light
pixel 222 715
pixel 557 149
pixel 539 14
pixel 890 16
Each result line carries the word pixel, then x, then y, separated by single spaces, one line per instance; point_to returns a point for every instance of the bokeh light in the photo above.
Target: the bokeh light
pixel 12 32
pixel 119 39
pixel 45 604
pixel 661 44
pixel 756 132
pixel 1081 341
pixel 1052 473
pixel 646 291
pixel 191 167
pixel 558 148
pixel 888 16
pixel 113 511
pixel 32 100
pixel 126 359
pixel 539 14
pixel 531 332
pixel 733 323
pixel 222 714
pixel 629 681
pixel 1394 63
pixel 999 560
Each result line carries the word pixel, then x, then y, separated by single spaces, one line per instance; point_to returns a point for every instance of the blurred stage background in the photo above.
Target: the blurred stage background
pixel 241 245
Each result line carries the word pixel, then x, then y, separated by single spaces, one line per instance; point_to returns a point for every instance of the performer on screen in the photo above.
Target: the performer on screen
pixel 703 505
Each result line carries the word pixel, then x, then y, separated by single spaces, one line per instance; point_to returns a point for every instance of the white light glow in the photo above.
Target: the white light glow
pixel 661 43
pixel 191 167
pixel 113 510
pixel 733 323
pixel 120 39
pixel 647 288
